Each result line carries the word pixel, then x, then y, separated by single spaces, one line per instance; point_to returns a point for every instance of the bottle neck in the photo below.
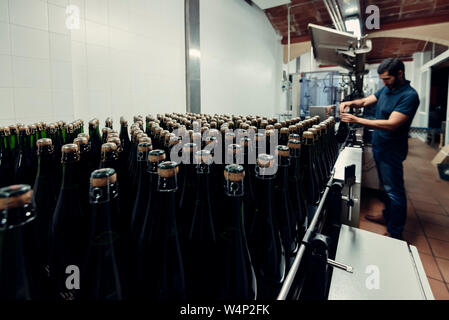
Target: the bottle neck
pixel 46 164
pixel 70 175
pixel 102 207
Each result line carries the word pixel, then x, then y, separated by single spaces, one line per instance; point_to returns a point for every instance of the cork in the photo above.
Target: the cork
pixel 144 147
pixel 168 169
pixel 156 155
pixel 314 132
pixel 108 147
pixel 269 133
pixel 308 134
pixel 24 129
pixel 203 156
pixel 115 140
pixel 294 144
pixel 282 151
pixel 260 137
pixel 277 126
pixel 103 181
pixel 234 173
pixel 113 135
pixel 17 198
pixel 323 127
pixel 173 141
pixel 85 135
pixel 123 121
pixel 196 136
pixel 140 135
pixel 44 142
pixel 284 131
pixel 265 160
pixel 144 139
pixel 245 141
pixel 235 148
pixel 269 127
pixel 71 147
pixel 80 141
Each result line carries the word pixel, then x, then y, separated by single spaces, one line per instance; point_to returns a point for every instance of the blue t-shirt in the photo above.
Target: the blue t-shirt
pixel 404 100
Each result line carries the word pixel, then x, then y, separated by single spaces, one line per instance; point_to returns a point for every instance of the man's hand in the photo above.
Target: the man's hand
pixel 344 105
pixel 349 118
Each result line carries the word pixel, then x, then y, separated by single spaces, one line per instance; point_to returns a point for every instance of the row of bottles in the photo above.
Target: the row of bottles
pixel 138 224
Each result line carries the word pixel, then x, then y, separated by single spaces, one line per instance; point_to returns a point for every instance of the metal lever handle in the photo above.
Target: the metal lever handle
pixel 339 265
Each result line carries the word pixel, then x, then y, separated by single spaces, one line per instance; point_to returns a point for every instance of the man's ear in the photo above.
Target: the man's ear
pixel 400 75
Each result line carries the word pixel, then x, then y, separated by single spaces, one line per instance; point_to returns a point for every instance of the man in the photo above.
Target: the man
pixel 396 104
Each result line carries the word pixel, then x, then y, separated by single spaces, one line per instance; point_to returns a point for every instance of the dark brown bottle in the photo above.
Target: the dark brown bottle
pixel 285 213
pixel 17 216
pixel 239 280
pixel 201 249
pixel 68 233
pixel 264 238
pixel 100 277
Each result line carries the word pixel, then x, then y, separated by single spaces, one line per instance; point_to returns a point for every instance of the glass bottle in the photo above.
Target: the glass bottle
pixel 200 259
pixel 16 266
pixel 68 232
pixel 264 238
pixel 100 277
pixel 164 275
pixel 238 280
pixel 285 213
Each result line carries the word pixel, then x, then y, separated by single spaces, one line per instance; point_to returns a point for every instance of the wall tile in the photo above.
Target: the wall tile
pixel 5 43
pixel 6 79
pixel 4 11
pixel 99 104
pixel 63 103
pixel 61 75
pixel 79 78
pixel 81 5
pixel 97 11
pixel 97 56
pixel 98 79
pixel 31 73
pixel 97 34
pixel 31 43
pixel 60 48
pixel 60 3
pixel 79 57
pixel 57 19
pixel 30 13
pixel 34 103
pixel 119 14
pixel 119 39
pixel 7 103
pixel 79 34
pixel 81 105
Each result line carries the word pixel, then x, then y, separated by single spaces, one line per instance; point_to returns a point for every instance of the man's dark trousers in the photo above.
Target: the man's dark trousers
pixel 391 174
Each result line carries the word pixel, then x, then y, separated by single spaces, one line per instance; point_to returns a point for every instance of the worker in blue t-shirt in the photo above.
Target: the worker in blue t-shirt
pixel 396 104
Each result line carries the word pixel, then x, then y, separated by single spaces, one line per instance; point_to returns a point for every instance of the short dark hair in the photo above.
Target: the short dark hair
pixel 392 65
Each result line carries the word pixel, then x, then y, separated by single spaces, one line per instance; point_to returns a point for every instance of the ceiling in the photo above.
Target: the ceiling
pixel 400 48
pixel 393 14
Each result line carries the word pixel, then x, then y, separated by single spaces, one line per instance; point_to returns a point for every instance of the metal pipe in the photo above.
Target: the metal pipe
pixel 295 266
pixel 288 43
pixel 331 13
pixel 339 17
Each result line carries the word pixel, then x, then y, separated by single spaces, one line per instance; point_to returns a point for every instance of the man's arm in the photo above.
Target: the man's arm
pixel 395 120
pixel 360 103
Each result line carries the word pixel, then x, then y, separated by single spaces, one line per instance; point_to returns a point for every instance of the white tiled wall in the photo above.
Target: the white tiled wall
pixel 241 60
pixel 126 58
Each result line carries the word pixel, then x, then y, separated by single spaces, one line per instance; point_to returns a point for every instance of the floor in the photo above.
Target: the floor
pixel 427 226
